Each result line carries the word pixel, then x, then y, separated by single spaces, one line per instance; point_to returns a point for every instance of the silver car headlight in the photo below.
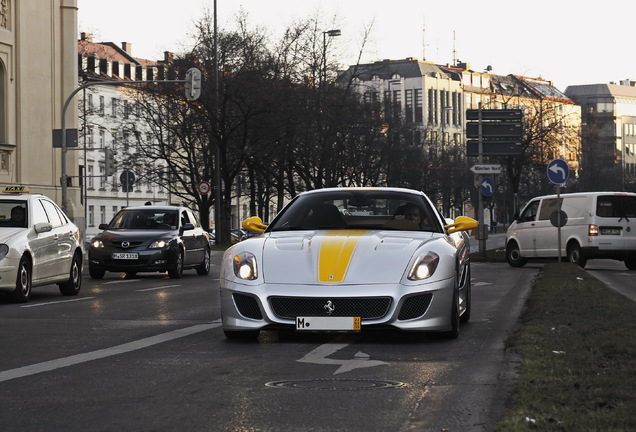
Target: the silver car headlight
pixel 158 244
pixel 245 266
pixel 4 250
pixel 424 266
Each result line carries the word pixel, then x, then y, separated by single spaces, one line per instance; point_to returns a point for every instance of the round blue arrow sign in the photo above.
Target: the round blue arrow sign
pixel 558 171
pixel 487 187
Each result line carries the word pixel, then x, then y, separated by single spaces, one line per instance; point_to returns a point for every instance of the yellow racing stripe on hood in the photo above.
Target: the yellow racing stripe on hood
pixel 336 251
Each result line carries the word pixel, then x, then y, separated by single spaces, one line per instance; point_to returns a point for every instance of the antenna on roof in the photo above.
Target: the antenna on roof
pixel 454 51
pixel 424 38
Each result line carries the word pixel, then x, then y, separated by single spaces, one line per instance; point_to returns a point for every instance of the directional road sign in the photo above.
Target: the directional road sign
pixel 494 148
pixel 486 169
pixel 558 171
pixel 487 187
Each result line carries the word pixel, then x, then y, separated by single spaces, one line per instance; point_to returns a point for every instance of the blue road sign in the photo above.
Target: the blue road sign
pixel 487 187
pixel 558 171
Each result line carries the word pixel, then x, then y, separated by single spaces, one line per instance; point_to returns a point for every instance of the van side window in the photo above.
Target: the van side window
pixel 548 207
pixel 616 206
pixel 530 212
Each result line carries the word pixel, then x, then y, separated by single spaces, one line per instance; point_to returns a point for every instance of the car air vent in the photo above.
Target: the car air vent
pixel 363 307
pixel 415 306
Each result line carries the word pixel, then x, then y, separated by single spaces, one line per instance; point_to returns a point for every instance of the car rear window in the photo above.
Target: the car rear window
pixel 617 206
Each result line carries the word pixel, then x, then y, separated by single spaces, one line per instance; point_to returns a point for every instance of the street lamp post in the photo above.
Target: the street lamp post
pixel 330 33
pixel 445 194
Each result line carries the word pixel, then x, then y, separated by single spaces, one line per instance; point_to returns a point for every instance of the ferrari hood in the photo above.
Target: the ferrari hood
pixel 339 256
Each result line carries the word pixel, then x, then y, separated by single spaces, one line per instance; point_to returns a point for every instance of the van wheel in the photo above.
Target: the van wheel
pixel 513 255
pixel 575 256
pixel 630 262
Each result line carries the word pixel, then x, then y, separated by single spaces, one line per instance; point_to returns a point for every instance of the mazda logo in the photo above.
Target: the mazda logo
pixel 125 244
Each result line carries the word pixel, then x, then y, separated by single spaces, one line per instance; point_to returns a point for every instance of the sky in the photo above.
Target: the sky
pixel 563 41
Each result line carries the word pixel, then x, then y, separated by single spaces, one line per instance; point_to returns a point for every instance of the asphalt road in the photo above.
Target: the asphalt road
pixel 148 354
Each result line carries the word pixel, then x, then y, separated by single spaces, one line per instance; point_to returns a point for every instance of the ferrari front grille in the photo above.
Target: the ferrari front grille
pixel 363 307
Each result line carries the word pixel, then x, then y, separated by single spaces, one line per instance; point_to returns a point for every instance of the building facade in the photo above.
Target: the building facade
pixel 608 133
pixel 38 73
pixel 109 124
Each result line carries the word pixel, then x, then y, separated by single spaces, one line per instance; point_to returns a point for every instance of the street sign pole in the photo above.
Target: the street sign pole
pixel 558 173
pixel 481 232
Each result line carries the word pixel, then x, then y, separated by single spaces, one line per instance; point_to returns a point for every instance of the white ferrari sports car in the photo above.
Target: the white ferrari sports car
pixel 350 260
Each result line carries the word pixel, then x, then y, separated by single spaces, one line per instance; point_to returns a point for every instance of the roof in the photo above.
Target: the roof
pixel 600 90
pixel 386 69
pixel 110 51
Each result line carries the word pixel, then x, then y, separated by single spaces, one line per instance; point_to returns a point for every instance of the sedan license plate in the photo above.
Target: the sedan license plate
pixel 126 255
pixel 327 323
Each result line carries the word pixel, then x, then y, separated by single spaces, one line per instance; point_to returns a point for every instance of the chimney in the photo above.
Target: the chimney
pixel 88 37
pixel 127 46
pixel 168 57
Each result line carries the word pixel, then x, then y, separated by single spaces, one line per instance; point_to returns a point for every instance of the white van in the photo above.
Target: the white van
pixel 597 225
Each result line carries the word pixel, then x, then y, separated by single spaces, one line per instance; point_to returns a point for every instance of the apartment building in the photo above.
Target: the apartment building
pixel 106 115
pixel 608 133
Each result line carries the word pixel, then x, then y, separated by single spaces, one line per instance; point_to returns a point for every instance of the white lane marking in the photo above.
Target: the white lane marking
pixel 319 356
pixel 57 302
pixel 120 281
pixel 103 353
pixel 476 284
pixel 158 288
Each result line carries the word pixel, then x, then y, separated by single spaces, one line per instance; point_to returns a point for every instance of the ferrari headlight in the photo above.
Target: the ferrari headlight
pixel 424 266
pixel 158 244
pixel 4 250
pixel 97 244
pixel 245 266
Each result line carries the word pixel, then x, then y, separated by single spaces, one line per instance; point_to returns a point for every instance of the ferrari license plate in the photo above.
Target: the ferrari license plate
pixel 126 255
pixel 327 323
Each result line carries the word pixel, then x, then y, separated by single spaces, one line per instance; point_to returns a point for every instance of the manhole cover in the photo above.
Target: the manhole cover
pixel 336 384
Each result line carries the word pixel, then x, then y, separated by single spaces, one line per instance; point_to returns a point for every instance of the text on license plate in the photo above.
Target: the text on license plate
pixel 125 255
pixel 327 323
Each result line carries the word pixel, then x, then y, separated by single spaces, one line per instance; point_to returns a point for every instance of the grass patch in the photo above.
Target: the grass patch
pixel 578 348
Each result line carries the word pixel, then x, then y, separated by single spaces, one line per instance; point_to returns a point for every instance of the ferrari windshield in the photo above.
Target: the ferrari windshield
pixel 145 220
pixel 358 209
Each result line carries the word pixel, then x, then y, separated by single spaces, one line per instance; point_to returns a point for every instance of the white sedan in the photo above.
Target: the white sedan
pixel 349 259
pixel 39 245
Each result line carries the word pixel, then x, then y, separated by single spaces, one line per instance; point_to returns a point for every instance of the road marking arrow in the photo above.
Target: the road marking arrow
pixel 319 356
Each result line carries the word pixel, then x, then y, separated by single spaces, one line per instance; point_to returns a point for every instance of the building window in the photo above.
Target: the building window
pixel 114 210
pixel 418 106
pixel 102 176
pixel 101 105
pixel 102 138
pixel 90 102
pixel 113 107
pixel 91 215
pixel 89 175
pixel 408 105
pixel 102 214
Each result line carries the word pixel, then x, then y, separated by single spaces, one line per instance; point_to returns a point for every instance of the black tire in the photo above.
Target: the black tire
pixel 453 333
pixel 465 317
pixel 575 255
pixel 22 292
pixel 72 286
pixel 241 334
pixel 176 270
pixel 630 262
pixel 96 273
pixel 513 255
pixel 204 268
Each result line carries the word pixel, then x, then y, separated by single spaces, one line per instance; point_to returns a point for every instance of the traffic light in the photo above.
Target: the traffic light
pixel 193 84
pixel 110 165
